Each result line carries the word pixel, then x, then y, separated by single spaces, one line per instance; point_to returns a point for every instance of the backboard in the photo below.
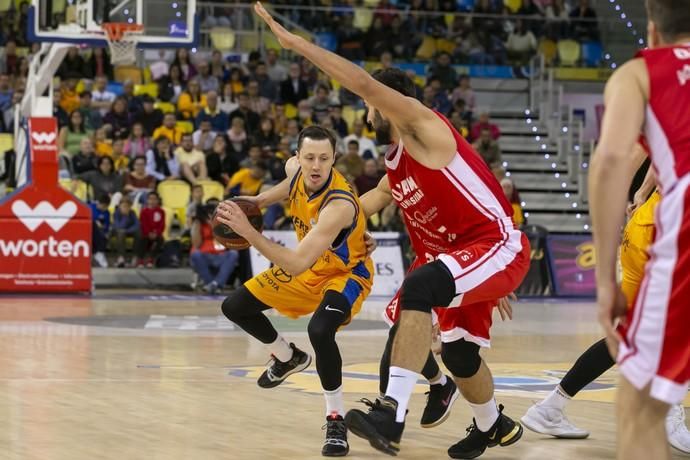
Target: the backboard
pixel 167 23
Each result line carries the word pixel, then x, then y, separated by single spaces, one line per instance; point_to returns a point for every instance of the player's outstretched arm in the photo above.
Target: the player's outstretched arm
pixel 335 216
pixel 416 123
pixel 377 198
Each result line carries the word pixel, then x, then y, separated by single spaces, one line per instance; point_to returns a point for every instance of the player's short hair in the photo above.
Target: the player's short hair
pixel 316 133
pixel 672 17
pixel 396 79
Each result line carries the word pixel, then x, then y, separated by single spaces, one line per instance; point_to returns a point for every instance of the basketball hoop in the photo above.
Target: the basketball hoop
pixel 122 41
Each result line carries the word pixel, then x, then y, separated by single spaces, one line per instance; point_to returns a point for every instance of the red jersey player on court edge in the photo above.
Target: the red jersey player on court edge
pixel 651 92
pixel 461 228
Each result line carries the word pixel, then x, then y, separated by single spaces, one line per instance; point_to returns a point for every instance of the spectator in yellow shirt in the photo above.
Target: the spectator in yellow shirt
pixel 120 160
pixel 248 181
pixel 169 129
pixel 104 144
pixel 192 161
pixel 69 99
pixel 192 100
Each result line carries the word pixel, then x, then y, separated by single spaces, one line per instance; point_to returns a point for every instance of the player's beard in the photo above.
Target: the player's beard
pixel 383 129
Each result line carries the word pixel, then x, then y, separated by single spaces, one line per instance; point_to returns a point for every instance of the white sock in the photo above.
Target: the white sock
pixel 280 349
pixel 334 402
pixel 485 415
pixel 439 381
pixel 557 399
pixel 401 382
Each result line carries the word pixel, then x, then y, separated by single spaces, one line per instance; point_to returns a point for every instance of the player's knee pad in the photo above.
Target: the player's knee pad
pixel 334 310
pixel 241 303
pixel 430 285
pixel 461 358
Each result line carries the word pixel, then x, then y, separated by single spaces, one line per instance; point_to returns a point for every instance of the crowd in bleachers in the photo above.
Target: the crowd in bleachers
pixel 151 149
pixel 483 32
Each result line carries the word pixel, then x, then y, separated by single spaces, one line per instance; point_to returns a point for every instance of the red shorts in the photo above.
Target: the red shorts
pixel 656 345
pixel 483 272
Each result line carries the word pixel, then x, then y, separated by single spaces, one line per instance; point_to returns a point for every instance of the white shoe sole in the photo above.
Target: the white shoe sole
pixel 533 426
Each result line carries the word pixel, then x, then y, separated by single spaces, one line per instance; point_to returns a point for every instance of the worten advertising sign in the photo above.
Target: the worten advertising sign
pixel 45 232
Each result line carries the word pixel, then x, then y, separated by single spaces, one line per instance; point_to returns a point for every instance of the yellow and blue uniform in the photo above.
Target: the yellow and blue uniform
pixel 637 237
pixel 344 267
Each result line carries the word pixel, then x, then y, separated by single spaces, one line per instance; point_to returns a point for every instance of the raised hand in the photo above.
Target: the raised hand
pixel 285 38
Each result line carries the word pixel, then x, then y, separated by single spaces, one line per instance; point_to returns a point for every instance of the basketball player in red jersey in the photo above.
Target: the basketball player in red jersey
pixel 652 345
pixel 461 228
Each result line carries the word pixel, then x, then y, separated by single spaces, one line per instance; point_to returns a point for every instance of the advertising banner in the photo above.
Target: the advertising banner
pixel 45 232
pixel 388 261
pixel 572 265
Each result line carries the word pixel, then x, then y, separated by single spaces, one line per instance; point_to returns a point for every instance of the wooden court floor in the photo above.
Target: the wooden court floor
pixel 137 375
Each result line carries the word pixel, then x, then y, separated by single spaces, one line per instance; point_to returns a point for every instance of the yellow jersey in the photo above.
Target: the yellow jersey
pixel 347 253
pixel 637 237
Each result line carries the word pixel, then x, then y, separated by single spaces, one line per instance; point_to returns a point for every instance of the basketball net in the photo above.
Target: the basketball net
pixel 122 41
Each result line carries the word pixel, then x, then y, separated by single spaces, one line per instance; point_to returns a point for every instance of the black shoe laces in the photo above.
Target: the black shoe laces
pixel 335 429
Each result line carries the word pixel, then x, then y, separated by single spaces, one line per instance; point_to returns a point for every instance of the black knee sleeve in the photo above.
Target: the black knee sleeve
pixel 461 358
pixel 243 309
pixel 430 285
pixel 331 314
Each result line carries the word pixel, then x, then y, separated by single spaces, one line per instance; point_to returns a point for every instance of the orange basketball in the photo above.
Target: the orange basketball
pixel 226 236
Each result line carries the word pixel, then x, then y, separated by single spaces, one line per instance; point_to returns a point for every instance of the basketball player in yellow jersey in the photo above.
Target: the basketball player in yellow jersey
pixel 329 273
pixel 548 416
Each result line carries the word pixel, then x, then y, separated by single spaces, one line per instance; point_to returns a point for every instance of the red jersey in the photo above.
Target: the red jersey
pixel 152 220
pixel 667 120
pixel 451 208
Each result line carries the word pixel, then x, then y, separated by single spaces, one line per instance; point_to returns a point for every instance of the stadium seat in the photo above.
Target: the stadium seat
pixel 222 38
pixel 79 188
pixel 150 88
pixel 271 42
pixel 147 75
pixel 443 44
pixel 22 51
pixel 175 196
pixel 513 5
pixel 165 107
pixel 115 88
pixel 348 114
pixel 327 40
pixel 6 142
pixel 212 189
pixel 568 52
pixel 427 49
pixel 465 5
pixel 185 126
pixel 363 19
pixel 549 50
pixel 591 54
pixel 249 41
pixel 59 6
pixel 128 72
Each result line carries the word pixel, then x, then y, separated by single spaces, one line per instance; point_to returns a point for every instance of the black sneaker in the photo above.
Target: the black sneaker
pixel 336 437
pixel 378 426
pixel 503 433
pixel 277 371
pixel 439 401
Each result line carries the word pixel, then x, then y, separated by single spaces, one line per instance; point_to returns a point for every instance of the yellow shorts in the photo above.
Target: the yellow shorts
pixel 634 256
pixel 296 296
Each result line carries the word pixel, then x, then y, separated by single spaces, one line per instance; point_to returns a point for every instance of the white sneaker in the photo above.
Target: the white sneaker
pixel 551 421
pixel 100 259
pixel 676 431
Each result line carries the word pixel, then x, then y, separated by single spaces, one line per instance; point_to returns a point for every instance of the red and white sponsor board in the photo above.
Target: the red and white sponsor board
pixel 45 232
